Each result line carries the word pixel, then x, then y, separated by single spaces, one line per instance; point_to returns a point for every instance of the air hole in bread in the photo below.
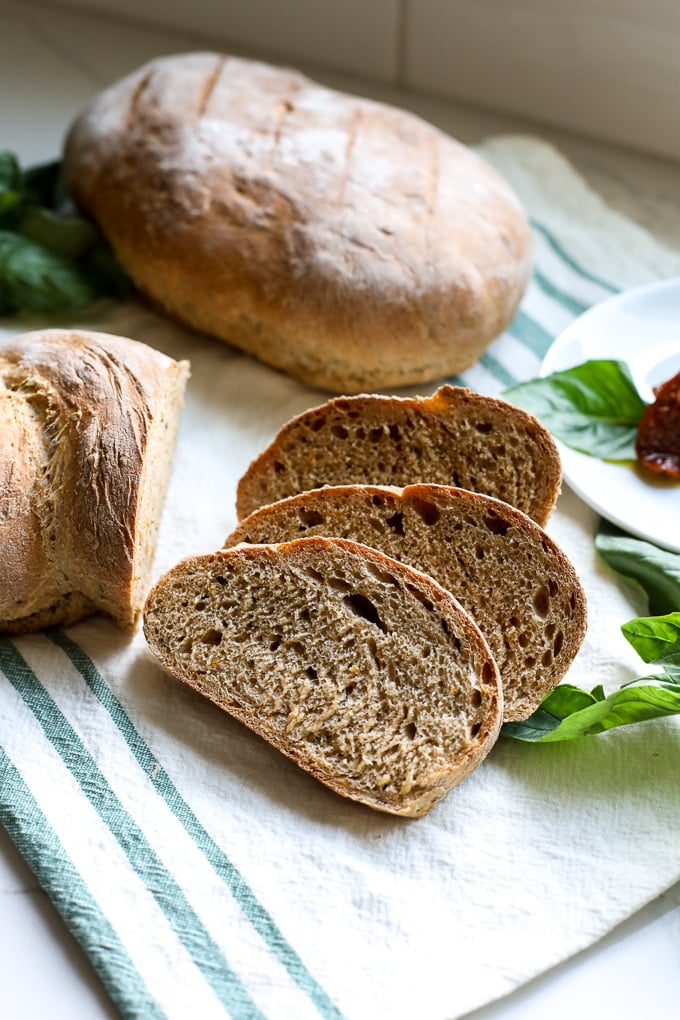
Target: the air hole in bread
pixel 455 480
pixel 496 525
pixel 513 621
pixel 220 580
pixel 361 606
pixel 201 605
pixel 396 523
pixel 558 643
pixel 375 435
pixel 542 601
pixel 275 643
pixel 550 630
pixel 484 426
pixel 305 615
pixel 423 599
pixel 338 584
pixel 547 657
pixel 296 647
pixel 382 575
pixel 523 639
pixel 314 574
pixel 279 467
pixel 479 552
pixel 211 637
pixel 360 433
pixel 426 651
pixel 377 500
pixel 428 512
pixel 311 673
pixel 339 431
pixel 395 432
pixel 318 423
pixel 309 518
pixel 530 661
pixel 553 588
pixel 476 698
pixel 572 602
pixel 350 688
pixel 475 728
pixel 187 645
pixel 487 672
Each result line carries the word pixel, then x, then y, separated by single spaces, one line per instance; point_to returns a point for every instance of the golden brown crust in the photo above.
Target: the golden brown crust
pixel 455 437
pixel 344 241
pixel 79 410
pixel 411 730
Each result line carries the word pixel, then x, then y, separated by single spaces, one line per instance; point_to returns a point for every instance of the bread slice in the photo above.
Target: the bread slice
pixel 454 437
pixel 511 577
pixel 87 432
pixel 365 672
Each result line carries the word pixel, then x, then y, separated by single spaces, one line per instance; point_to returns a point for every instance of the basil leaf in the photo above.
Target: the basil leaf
pixel 656 639
pixel 10 174
pixel 593 408
pixel 649 698
pixel 38 280
pixel 43 185
pixel 70 236
pixel 10 187
pixel 653 570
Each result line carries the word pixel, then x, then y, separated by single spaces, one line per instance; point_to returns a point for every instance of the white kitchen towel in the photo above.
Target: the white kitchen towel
pixel 204 874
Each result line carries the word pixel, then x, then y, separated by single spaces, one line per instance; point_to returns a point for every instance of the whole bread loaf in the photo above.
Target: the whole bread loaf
pixel 344 241
pixel 87 431
pixel 510 576
pixel 454 437
pixel 365 672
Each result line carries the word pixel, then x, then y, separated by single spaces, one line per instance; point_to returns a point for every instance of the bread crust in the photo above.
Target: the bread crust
pixel 189 627
pixel 341 240
pixel 80 413
pixel 508 574
pixel 453 437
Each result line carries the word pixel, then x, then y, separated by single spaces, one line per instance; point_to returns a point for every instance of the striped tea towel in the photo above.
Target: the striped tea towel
pixel 205 875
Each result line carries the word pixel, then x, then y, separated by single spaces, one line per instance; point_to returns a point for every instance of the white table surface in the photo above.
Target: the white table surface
pixel 51 61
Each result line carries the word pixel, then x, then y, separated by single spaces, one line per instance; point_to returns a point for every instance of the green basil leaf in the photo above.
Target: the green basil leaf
pixel 38 280
pixel 70 236
pixel 593 408
pixel 647 567
pixel 656 639
pixel 10 174
pixel 649 698
pixel 44 185
pixel 10 188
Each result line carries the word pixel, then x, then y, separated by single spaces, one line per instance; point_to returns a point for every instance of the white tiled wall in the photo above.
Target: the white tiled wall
pixel 609 68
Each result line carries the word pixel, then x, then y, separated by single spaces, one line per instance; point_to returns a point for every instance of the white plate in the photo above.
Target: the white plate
pixel 642 328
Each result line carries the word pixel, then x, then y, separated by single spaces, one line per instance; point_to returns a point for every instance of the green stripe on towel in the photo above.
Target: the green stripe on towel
pixel 570 261
pixel 252 908
pixel 43 851
pixel 188 927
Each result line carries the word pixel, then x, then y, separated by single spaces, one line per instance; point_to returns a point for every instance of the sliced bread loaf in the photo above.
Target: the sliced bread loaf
pixel 511 577
pixel 454 437
pixel 365 672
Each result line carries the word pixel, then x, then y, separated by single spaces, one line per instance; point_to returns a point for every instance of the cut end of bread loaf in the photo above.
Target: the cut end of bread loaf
pixel 511 577
pixel 364 672
pixel 455 437
pixel 87 432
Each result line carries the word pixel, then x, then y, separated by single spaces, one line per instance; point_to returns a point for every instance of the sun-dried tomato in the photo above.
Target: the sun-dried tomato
pixel 658 439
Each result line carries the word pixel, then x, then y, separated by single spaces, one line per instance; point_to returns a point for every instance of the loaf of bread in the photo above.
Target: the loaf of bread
pixel 454 437
pixel 341 240
pixel 510 576
pixel 365 672
pixel 87 431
